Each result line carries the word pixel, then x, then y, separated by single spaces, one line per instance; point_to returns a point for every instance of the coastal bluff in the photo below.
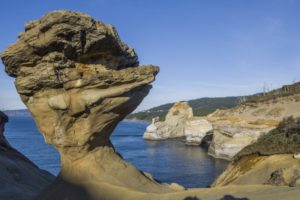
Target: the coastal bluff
pixel 179 123
pixel 79 80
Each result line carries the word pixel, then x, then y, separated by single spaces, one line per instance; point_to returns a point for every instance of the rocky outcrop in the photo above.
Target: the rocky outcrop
pixel 276 170
pixel 20 178
pixel 230 138
pixel 241 126
pixel 196 129
pixel 78 79
pixel 179 122
pixel 174 124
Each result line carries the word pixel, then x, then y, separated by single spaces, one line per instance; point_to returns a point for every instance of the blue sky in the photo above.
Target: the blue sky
pixel 204 48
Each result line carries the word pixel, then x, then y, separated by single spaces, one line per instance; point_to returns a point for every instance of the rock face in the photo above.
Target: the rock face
pixel 174 124
pixel 230 138
pixel 78 79
pixel 241 126
pixel 179 122
pixel 20 178
pixel 196 129
pixel 276 170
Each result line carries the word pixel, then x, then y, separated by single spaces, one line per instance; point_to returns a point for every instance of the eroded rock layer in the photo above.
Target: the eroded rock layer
pixel 78 79
pixel 238 127
pixel 179 122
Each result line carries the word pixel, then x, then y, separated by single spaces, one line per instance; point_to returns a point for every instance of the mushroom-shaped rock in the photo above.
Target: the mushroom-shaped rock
pixel 78 79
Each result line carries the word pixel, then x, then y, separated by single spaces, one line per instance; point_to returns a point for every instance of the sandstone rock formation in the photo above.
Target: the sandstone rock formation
pixel 196 129
pixel 254 170
pixel 231 137
pixel 179 122
pixel 174 124
pixel 241 126
pixel 78 79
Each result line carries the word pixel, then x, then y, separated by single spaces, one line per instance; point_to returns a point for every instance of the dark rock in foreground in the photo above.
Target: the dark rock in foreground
pixel 20 178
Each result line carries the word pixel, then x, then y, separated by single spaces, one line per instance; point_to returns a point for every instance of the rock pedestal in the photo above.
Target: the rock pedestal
pixel 78 79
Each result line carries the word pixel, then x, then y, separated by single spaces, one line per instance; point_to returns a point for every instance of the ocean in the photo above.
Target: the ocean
pixel 168 161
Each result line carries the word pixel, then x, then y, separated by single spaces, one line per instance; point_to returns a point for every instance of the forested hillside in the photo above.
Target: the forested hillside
pixel 201 107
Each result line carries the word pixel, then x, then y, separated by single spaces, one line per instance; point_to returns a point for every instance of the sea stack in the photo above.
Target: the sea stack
pixel 78 80
pixel 180 122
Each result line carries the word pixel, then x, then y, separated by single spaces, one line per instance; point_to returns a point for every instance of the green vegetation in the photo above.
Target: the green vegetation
pixel 205 106
pixel 285 138
pixel 201 107
pixel 286 90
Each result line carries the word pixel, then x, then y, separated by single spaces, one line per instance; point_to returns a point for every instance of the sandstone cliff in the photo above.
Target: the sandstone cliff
pixel 241 126
pixel 78 79
pixel 179 123
pixel 277 170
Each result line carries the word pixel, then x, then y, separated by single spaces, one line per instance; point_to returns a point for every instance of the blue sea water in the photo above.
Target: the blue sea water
pixel 167 161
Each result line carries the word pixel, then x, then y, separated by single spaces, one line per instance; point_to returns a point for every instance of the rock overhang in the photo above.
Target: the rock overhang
pixel 77 78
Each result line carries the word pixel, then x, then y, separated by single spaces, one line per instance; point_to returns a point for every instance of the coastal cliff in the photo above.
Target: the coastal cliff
pixel 179 123
pixel 78 79
pixel 242 125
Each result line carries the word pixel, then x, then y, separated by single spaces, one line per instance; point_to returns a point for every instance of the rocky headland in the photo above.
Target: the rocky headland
pixel 230 130
pixel 179 123
pixel 242 125
pixel 78 80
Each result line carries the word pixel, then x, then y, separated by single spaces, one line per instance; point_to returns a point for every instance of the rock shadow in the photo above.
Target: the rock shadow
pixel 191 198
pixel 61 189
pixel 230 197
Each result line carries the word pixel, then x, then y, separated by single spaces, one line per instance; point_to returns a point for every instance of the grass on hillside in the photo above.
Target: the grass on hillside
pixel 201 107
pixel 284 91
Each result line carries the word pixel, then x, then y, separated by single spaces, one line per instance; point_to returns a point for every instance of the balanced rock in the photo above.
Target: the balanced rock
pixel 78 79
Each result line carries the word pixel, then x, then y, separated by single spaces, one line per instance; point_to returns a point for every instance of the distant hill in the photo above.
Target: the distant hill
pixel 204 106
pixel 22 112
pixel 286 90
pixel 201 107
